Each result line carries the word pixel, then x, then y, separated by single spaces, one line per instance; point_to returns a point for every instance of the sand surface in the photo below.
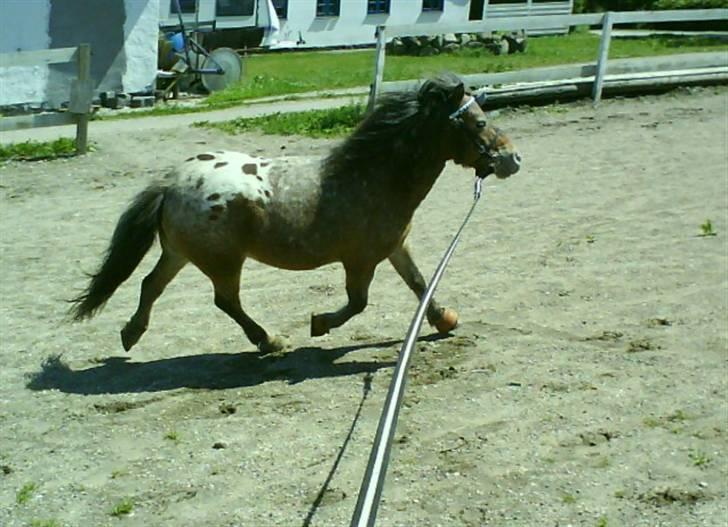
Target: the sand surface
pixel 585 386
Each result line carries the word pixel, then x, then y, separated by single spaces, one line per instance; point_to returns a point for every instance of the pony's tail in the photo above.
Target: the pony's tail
pixel 133 237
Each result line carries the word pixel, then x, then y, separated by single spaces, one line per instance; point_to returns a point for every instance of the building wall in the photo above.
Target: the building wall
pixel 122 34
pixel 354 26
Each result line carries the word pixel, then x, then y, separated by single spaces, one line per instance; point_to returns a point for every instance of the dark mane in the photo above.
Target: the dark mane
pixel 402 128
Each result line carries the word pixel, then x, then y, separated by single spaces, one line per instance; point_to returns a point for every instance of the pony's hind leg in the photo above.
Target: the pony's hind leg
pixel 153 285
pixel 443 319
pixel 358 279
pixel 226 281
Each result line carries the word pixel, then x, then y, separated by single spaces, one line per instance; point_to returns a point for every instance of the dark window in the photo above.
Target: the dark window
pixel 377 6
pixel 234 7
pixel 187 6
pixel 281 7
pixel 432 5
pixel 327 7
pixel 507 1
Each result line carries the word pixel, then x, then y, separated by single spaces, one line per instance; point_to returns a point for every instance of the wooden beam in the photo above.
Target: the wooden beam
pixel 38 57
pixel 83 106
pixel 41 120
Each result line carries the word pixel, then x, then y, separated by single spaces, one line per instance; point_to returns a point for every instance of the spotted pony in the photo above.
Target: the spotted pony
pixel 355 207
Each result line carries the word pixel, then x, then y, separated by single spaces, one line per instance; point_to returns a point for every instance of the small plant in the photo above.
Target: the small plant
pixel 172 435
pixel 122 508
pixel 706 229
pixel 45 523
pixel 699 458
pixel 115 474
pixel 677 416
pixel 25 493
pixel 602 522
pixel 568 498
pixel 37 150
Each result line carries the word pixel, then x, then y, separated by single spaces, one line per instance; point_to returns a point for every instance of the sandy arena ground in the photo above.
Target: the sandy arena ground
pixel 585 386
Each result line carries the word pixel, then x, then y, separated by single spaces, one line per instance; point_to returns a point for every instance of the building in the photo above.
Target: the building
pixel 122 34
pixel 329 23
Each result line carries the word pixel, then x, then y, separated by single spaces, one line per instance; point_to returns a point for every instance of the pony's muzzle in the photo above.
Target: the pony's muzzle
pixel 507 164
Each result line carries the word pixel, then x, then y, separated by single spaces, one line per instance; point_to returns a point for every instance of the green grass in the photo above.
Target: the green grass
pixel 281 74
pixel 707 229
pixel 45 523
pixel 122 508
pixel 314 123
pixel 36 150
pixel 25 493
pixel 699 458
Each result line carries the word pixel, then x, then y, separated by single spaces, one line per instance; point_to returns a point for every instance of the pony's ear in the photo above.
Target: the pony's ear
pixel 446 89
pixel 456 95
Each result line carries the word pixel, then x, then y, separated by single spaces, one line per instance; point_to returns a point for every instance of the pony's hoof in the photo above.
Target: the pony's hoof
pixel 130 335
pixel 272 345
pixel 318 325
pixel 447 322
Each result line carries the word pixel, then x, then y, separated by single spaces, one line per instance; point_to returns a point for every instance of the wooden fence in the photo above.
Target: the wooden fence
pixel 79 107
pixel 593 73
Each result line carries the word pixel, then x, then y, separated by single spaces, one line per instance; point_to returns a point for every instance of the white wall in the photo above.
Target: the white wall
pixel 354 26
pixel 123 60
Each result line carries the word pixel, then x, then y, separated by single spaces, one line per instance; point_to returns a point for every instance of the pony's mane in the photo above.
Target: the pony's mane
pixel 400 129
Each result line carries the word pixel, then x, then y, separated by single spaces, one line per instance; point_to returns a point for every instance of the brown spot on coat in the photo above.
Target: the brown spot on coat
pixel 267 193
pixel 218 208
pixel 205 157
pixel 264 164
pixel 200 182
pixel 259 178
pixel 250 168
pixel 189 159
pixel 213 197
pixel 220 164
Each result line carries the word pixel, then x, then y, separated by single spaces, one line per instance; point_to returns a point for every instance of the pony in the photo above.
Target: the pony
pixel 219 208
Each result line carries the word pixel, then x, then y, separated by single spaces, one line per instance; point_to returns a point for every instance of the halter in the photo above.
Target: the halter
pixel 456 117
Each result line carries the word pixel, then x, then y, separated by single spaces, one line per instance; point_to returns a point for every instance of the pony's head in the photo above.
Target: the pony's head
pixel 473 142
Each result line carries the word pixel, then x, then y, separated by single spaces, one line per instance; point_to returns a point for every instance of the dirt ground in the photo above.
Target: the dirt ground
pixel 585 386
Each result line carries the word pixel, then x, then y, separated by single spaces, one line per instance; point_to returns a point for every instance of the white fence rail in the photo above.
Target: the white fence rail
pixel 596 71
pixel 79 107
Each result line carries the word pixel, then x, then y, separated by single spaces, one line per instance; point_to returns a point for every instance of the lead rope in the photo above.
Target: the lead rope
pixel 370 492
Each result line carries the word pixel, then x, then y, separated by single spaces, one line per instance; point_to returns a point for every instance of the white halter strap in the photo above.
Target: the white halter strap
pixel 457 113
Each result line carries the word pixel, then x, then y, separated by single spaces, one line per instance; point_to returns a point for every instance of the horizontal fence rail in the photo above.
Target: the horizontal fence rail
pixel 596 73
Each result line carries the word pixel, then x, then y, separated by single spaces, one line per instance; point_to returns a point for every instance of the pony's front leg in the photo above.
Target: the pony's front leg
pixel 443 319
pixel 358 279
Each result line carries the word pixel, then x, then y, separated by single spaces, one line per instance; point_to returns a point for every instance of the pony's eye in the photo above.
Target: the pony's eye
pixel 480 124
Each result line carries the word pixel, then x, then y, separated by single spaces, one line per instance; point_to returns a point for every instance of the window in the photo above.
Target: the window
pixel 187 6
pixel 375 7
pixel 234 7
pixel 281 7
pixel 327 7
pixel 432 5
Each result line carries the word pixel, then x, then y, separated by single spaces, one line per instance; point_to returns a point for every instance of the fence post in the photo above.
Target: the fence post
pixel 601 68
pixel 378 68
pixel 84 80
